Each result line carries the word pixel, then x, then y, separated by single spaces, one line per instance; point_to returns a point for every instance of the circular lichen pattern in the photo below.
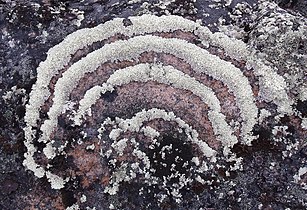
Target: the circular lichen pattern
pixel 146 107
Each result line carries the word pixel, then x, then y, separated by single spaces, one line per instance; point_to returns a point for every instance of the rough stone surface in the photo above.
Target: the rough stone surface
pixel 272 172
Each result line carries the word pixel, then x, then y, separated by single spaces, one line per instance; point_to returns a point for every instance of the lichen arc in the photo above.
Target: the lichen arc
pixel 140 25
pixel 152 114
pixel 199 59
pixel 60 55
pixel 167 75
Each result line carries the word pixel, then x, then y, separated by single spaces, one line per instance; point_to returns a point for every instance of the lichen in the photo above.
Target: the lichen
pixel 122 142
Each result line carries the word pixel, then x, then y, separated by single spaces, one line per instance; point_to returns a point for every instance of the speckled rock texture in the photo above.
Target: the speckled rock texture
pixel 207 110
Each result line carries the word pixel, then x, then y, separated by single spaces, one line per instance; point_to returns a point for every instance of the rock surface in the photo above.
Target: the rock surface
pixel 268 173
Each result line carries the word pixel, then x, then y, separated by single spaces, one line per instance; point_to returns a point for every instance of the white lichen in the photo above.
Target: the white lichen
pixel 166 75
pixel 272 86
pixel 134 124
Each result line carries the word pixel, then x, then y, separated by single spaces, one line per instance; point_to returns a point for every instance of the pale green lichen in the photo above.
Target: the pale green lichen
pixel 199 59
pixel 135 124
pixel 166 75
pixel 273 88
